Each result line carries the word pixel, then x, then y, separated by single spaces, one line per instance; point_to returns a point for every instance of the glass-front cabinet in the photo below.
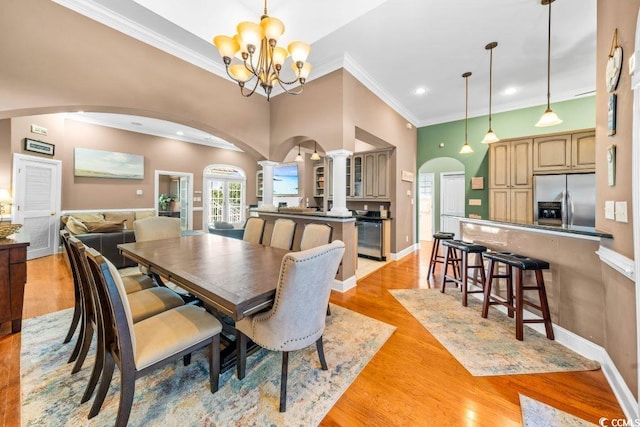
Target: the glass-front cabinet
pixel 356 162
pixel 367 176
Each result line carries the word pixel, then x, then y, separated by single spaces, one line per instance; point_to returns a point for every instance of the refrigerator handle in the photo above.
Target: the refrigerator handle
pixel 565 212
pixel 570 211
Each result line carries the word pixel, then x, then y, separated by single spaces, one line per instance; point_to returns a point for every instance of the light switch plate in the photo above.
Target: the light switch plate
pixel 139 192
pixel 610 210
pixel 621 212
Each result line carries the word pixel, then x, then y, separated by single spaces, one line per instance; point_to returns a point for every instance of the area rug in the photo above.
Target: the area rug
pixel 487 346
pixel 178 395
pixel 538 414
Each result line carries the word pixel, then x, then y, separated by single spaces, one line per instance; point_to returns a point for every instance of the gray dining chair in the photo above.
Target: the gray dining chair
pixel 315 235
pixel 282 234
pixel 253 230
pixel 297 318
pixel 139 348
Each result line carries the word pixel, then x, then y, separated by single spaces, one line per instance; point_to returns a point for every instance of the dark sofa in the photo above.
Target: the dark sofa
pixel 107 245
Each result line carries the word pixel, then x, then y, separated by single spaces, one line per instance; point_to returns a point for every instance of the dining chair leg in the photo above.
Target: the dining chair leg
pixel 214 363
pixel 241 354
pixel 98 366
pixel 105 382
pixel 328 310
pixel 186 359
pixel 283 381
pixel 127 390
pixel 79 341
pixel 320 348
pixel 77 312
pixel 86 343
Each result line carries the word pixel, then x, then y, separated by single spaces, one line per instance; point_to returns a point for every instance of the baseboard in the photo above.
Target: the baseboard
pixel 344 285
pixel 592 351
pixel 404 252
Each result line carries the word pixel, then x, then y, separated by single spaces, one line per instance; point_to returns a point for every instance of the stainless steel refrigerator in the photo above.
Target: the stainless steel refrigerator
pixel 570 198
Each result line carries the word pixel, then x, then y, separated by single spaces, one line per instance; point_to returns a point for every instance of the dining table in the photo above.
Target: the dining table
pixel 231 277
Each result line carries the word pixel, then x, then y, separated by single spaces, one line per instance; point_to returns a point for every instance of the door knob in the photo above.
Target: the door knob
pixel 53 213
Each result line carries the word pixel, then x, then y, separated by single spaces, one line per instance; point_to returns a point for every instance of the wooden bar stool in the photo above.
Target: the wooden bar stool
pixel 435 252
pixel 459 251
pixel 520 263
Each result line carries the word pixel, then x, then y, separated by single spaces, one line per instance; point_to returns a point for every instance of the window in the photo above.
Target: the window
pixel 224 195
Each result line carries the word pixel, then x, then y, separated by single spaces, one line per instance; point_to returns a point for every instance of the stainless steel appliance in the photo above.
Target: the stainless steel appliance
pixel 573 194
pixel 370 236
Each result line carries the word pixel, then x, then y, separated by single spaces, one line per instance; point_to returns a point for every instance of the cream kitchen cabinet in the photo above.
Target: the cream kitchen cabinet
pixel 565 153
pixel 511 181
pixel 367 176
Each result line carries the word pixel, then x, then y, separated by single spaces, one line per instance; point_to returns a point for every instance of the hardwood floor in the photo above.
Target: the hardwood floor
pixel 411 381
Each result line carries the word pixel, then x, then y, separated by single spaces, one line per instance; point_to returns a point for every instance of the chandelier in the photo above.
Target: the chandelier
pixel 256 46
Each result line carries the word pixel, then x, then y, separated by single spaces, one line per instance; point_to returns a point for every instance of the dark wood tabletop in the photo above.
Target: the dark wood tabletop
pixel 233 276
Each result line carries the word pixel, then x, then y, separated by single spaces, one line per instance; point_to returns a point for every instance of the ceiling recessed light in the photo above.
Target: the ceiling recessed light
pixel 421 91
pixel 80 112
pixel 180 133
pixel 510 91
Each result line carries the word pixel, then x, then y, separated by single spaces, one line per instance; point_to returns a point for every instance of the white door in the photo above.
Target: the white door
pixel 425 186
pixel 36 193
pixel 451 202
pixel 224 201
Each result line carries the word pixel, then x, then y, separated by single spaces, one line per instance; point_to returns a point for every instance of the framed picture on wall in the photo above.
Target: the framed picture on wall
pixel 39 147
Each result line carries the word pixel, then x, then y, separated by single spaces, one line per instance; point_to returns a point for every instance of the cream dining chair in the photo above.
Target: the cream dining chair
pixel 282 234
pixel 253 230
pixel 141 347
pixel 297 318
pixel 315 235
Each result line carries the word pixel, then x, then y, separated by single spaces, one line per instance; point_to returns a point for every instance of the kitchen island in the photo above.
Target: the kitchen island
pixel 575 288
pixel 344 228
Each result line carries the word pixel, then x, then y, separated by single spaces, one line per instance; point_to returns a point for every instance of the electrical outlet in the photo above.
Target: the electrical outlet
pixel 139 192
pixel 366 207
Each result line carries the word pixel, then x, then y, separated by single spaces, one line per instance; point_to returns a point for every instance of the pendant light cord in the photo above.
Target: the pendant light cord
pixel 490 83
pixel 466 105
pixel 548 59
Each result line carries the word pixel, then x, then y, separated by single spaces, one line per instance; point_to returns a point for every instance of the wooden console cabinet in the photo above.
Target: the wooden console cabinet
pixel 13 276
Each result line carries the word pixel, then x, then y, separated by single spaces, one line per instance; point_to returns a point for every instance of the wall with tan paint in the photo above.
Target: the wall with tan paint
pixel 79 193
pixel 612 14
pixel 55 60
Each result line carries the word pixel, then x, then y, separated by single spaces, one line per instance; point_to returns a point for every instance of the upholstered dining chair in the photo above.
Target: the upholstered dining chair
pixel 144 304
pixel 156 228
pixel 139 348
pixel 282 234
pixel 297 318
pixel 77 305
pixel 253 230
pixel 315 235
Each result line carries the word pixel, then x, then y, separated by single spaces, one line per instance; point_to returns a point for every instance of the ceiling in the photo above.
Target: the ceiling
pixel 394 46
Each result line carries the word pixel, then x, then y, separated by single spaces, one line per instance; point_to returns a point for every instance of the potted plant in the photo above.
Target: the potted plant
pixel 164 201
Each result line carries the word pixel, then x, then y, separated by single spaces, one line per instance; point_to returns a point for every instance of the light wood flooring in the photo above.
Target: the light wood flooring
pixel 411 381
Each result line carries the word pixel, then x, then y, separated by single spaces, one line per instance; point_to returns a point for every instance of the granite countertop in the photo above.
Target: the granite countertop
pixel 319 215
pixel 569 229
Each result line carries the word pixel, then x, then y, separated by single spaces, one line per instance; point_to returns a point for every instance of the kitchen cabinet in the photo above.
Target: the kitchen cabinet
pixel 259 184
pixel 13 276
pixel 319 181
pixel 510 164
pixel 511 181
pixel 511 205
pixel 367 176
pixel 565 153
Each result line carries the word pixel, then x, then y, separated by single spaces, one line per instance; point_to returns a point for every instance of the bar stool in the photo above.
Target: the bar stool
pixel 435 252
pixel 460 251
pixel 520 263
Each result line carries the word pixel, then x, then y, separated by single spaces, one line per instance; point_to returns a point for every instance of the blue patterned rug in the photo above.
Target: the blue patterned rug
pixel 466 335
pixel 538 414
pixel 178 395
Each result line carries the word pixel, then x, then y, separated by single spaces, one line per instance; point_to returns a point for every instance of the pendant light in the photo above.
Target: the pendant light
pixel 315 155
pixel 490 137
pixel 549 118
pixel 466 148
pixel 299 157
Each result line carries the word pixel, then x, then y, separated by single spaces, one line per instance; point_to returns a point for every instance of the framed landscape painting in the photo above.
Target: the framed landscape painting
pixel 107 164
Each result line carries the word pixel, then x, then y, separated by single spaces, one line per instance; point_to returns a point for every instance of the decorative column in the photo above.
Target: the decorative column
pixel 267 185
pixel 339 182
